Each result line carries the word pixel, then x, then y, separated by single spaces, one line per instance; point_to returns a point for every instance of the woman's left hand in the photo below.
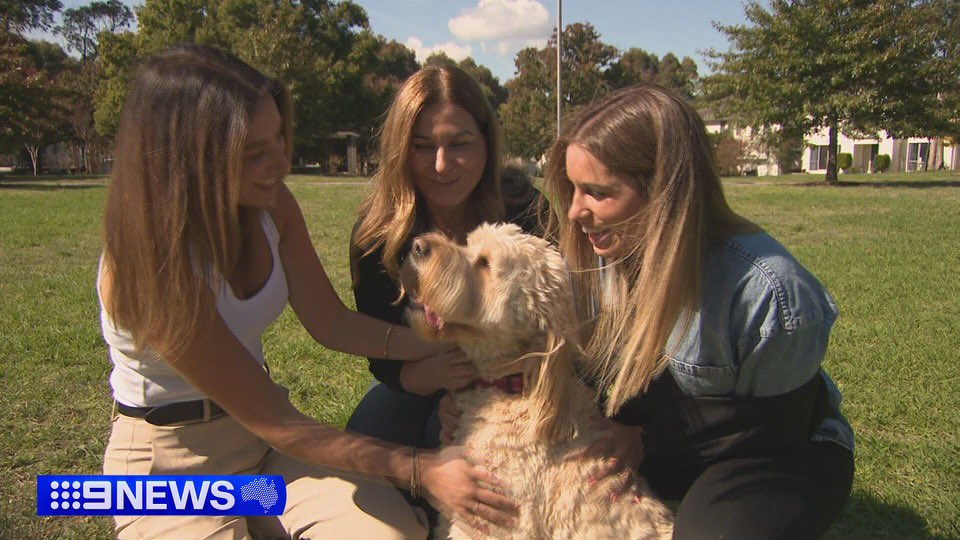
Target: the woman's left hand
pixel 620 453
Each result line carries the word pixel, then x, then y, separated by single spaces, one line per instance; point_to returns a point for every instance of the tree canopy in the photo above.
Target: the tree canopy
pixel 859 65
pixel 81 25
pixel 18 16
pixel 590 69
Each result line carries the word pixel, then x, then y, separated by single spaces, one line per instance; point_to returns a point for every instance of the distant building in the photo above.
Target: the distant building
pixel 756 161
pixel 906 155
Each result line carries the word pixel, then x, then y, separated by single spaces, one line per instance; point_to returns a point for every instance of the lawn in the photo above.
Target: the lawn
pixel 886 246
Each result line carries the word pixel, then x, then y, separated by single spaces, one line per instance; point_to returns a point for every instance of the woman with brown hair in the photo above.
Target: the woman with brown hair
pixel 706 335
pixel 440 169
pixel 203 248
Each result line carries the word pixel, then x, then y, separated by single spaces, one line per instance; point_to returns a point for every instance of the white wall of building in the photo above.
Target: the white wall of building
pixel 906 155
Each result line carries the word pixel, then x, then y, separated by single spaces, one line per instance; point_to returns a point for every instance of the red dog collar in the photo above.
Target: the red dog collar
pixel 511 384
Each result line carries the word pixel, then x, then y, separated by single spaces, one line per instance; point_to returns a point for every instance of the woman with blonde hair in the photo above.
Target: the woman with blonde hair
pixel 706 336
pixel 440 169
pixel 204 246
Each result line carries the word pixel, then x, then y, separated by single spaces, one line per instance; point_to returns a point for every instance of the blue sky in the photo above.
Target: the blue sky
pixel 492 31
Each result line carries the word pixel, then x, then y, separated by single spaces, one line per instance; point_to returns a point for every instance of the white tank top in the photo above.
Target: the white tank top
pixel 142 379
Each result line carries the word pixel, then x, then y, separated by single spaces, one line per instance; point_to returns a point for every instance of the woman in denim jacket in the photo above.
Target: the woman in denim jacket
pixel 706 336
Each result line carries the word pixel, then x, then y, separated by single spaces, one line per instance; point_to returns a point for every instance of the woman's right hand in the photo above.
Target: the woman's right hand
pixel 454 486
pixel 446 371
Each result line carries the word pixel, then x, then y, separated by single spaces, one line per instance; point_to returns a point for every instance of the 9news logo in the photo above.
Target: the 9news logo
pixel 93 495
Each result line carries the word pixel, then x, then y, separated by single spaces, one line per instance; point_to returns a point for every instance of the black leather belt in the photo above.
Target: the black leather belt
pixel 175 413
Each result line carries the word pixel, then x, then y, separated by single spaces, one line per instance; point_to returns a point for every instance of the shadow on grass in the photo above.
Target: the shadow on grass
pixel 51 177
pixel 46 186
pixel 866 517
pixel 919 184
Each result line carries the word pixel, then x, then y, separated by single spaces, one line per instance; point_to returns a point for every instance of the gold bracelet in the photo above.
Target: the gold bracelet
pixel 415 474
pixel 386 341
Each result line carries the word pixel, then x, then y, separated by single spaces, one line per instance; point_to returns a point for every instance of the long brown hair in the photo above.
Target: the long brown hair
pixel 171 225
pixel 389 212
pixel 647 134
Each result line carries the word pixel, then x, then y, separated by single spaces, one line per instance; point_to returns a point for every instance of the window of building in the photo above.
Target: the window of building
pixel 818 158
pixel 917 156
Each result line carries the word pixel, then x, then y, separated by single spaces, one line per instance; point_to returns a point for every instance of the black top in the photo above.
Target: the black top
pixel 683 435
pixel 376 293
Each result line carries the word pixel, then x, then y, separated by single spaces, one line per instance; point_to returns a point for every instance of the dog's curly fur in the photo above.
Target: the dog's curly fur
pixel 506 300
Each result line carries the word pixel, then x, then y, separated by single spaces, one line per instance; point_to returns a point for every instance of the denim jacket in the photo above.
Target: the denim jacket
pixel 761 329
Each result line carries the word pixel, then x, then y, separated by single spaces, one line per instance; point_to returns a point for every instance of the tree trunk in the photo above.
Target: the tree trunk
pixel 85 157
pixel 936 147
pixel 832 153
pixel 34 152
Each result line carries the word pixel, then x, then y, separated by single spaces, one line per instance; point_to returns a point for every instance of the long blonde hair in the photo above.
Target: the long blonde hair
pixel 647 134
pixel 389 213
pixel 171 225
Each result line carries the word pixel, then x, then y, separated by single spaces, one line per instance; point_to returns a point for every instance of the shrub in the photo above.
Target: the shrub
pixel 844 160
pixel 881 162
pixel 729 153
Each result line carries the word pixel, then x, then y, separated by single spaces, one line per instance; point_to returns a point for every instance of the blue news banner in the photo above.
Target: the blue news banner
pixel 102 495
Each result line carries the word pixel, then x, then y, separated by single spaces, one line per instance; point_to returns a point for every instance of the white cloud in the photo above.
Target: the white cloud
pixel 536 43
pixel 505 46
pixel 453 50
pixel 502 20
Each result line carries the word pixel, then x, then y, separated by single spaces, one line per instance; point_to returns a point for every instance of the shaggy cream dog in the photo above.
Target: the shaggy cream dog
pixel 506 300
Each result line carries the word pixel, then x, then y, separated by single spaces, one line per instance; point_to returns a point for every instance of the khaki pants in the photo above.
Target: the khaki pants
pixel 321 503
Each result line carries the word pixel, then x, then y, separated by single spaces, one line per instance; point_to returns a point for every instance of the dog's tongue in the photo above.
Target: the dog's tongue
pixel 432 318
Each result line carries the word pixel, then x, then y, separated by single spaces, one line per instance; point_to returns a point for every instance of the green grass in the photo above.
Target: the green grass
pixel 888 252
pixel 914 179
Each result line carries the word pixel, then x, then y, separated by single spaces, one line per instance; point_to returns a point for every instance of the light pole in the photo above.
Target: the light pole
pixel 559 73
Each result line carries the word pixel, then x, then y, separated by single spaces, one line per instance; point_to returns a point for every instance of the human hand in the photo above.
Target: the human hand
pixel 446 371
pixel 456 487
pixel 449 415
pixel 619 450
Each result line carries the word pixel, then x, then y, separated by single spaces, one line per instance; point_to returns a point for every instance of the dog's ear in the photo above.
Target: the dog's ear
pixel 546 285
pixel 552 375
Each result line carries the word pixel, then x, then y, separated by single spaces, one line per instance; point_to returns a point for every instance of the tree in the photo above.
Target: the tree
pixel 83 28
pixel 21 84
pixel 729 152
pixel 854 64
pixel 117 56
pixel 528 114
pixel 637 66
pixel 321 49
pixel 18 16
pixel 439 58
pixel 634 66
pixel 492 90
pixel 680 77
pixel 40 115
pixel 495 93
pixel 584 62
pixel 392 64
pixel 81 25
pixel 590 69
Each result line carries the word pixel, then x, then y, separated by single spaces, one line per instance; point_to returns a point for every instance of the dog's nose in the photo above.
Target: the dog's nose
pixel 421 247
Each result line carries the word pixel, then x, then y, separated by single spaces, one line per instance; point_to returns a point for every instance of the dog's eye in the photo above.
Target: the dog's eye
pixel 482 262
